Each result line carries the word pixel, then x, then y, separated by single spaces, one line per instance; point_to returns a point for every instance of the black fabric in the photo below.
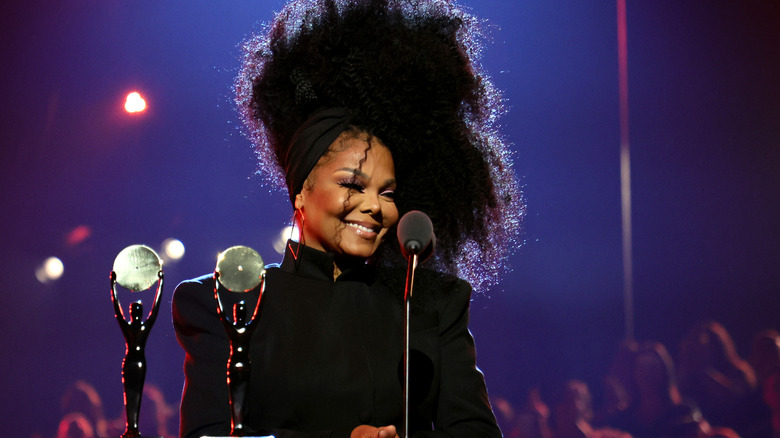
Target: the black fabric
pixel 309 144
pixel 326 354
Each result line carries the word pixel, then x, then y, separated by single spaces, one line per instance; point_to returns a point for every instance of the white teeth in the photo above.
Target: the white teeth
pixel 360 227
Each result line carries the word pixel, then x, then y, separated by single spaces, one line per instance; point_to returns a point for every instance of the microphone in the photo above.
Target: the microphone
pixel 415 234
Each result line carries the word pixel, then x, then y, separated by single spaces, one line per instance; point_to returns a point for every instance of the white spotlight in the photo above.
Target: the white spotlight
pixel 50 270
pixel 281 241
pixel 173 248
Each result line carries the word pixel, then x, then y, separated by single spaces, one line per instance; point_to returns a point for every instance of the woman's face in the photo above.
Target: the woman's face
pixel 348 199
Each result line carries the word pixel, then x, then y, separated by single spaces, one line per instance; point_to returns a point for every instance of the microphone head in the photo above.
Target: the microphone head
pixel 415 234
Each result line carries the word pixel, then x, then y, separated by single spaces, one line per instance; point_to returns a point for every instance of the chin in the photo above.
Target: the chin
pixel 356 254
pixel 359 251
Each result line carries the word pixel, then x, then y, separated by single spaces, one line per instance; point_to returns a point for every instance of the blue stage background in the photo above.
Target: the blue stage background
pixel 705 144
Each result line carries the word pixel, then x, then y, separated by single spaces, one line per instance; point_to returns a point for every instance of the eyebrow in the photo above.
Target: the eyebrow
pixel 361 174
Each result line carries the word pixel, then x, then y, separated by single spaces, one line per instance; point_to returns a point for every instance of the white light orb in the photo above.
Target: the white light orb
pixel 173 248
pixel 280 242
pixel 50 270
pixel 135 103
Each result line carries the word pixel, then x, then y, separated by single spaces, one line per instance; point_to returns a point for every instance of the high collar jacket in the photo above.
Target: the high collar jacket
pixel 326 356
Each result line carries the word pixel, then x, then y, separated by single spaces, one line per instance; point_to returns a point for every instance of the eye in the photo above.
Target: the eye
pixel 389 194
pixel 352 185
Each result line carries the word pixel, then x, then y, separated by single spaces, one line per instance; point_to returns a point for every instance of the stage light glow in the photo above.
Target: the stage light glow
pixel 78 235
pixel 281 241
pixel 173 248
pixel 135 103
pixel 50 270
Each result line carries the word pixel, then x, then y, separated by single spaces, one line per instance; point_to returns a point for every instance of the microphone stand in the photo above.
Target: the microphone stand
pixel 415 234
pixel 413 258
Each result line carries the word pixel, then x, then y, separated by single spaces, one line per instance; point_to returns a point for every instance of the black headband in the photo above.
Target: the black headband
pixel 309 144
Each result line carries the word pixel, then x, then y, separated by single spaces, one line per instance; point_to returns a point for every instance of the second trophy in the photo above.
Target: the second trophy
pixel 240 269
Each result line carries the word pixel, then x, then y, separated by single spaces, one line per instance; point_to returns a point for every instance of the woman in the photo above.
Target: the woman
pixel 365 110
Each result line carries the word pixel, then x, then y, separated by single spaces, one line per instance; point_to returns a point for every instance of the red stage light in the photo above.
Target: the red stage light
pixel 78 235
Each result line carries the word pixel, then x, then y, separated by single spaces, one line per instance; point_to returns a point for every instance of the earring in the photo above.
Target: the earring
pixel 301 239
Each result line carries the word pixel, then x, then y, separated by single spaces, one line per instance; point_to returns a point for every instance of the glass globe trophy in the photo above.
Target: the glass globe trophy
pixel 239 269
pixel 136 268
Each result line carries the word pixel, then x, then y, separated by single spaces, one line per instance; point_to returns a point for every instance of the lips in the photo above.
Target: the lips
pixel 365 229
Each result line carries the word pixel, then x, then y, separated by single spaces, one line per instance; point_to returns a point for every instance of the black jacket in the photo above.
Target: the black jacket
pixel 326 356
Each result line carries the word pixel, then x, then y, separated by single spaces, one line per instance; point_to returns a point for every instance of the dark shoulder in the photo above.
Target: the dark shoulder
pixel 193 296
pixel 202 280
pixel 204 285
pixel 431 288
pixel 440 284
pixel 194 286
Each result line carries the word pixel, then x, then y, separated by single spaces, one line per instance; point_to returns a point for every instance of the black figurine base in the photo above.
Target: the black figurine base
pixel 140 436
pixel 126 435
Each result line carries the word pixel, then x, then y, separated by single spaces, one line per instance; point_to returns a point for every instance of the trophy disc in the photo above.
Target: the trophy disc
pixel 240 269
pixel 137 267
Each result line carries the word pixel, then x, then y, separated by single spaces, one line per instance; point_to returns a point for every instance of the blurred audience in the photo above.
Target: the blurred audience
pixel 771 395
pixel 82 398
pixel 765 354
pixel 75 425
pixel 157 417
pixel 619 388
pixel 721 383
pixel 83 415
pixel 720 395
pixel 765 359
pixel 573 414
pixel 658 409
pixel 711 373
pixel 533 420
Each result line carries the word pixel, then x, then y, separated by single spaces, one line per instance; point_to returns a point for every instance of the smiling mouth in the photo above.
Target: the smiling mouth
pixel 363 230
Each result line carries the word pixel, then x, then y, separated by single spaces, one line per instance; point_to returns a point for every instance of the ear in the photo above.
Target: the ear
pixel 299 198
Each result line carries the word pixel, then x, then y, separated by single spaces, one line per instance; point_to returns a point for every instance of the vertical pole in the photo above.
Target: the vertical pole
pixel 625 172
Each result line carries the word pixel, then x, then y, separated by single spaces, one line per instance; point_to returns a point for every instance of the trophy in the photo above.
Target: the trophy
pixel 239 269
pixel 136 268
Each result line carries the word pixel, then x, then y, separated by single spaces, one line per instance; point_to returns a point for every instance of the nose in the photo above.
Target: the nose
pixel 370 203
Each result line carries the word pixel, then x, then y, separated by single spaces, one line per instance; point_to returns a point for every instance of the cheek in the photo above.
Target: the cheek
pixel 330 204
pixel 390 216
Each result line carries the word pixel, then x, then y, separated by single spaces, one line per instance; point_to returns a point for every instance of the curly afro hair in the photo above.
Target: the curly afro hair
pixel 407 72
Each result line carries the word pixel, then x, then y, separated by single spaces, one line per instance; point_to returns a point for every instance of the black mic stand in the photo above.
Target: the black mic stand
pixel 412 265
pixel 415 234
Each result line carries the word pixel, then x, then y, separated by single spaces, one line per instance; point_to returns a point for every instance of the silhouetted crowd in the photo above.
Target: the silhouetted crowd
pixel 709 392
